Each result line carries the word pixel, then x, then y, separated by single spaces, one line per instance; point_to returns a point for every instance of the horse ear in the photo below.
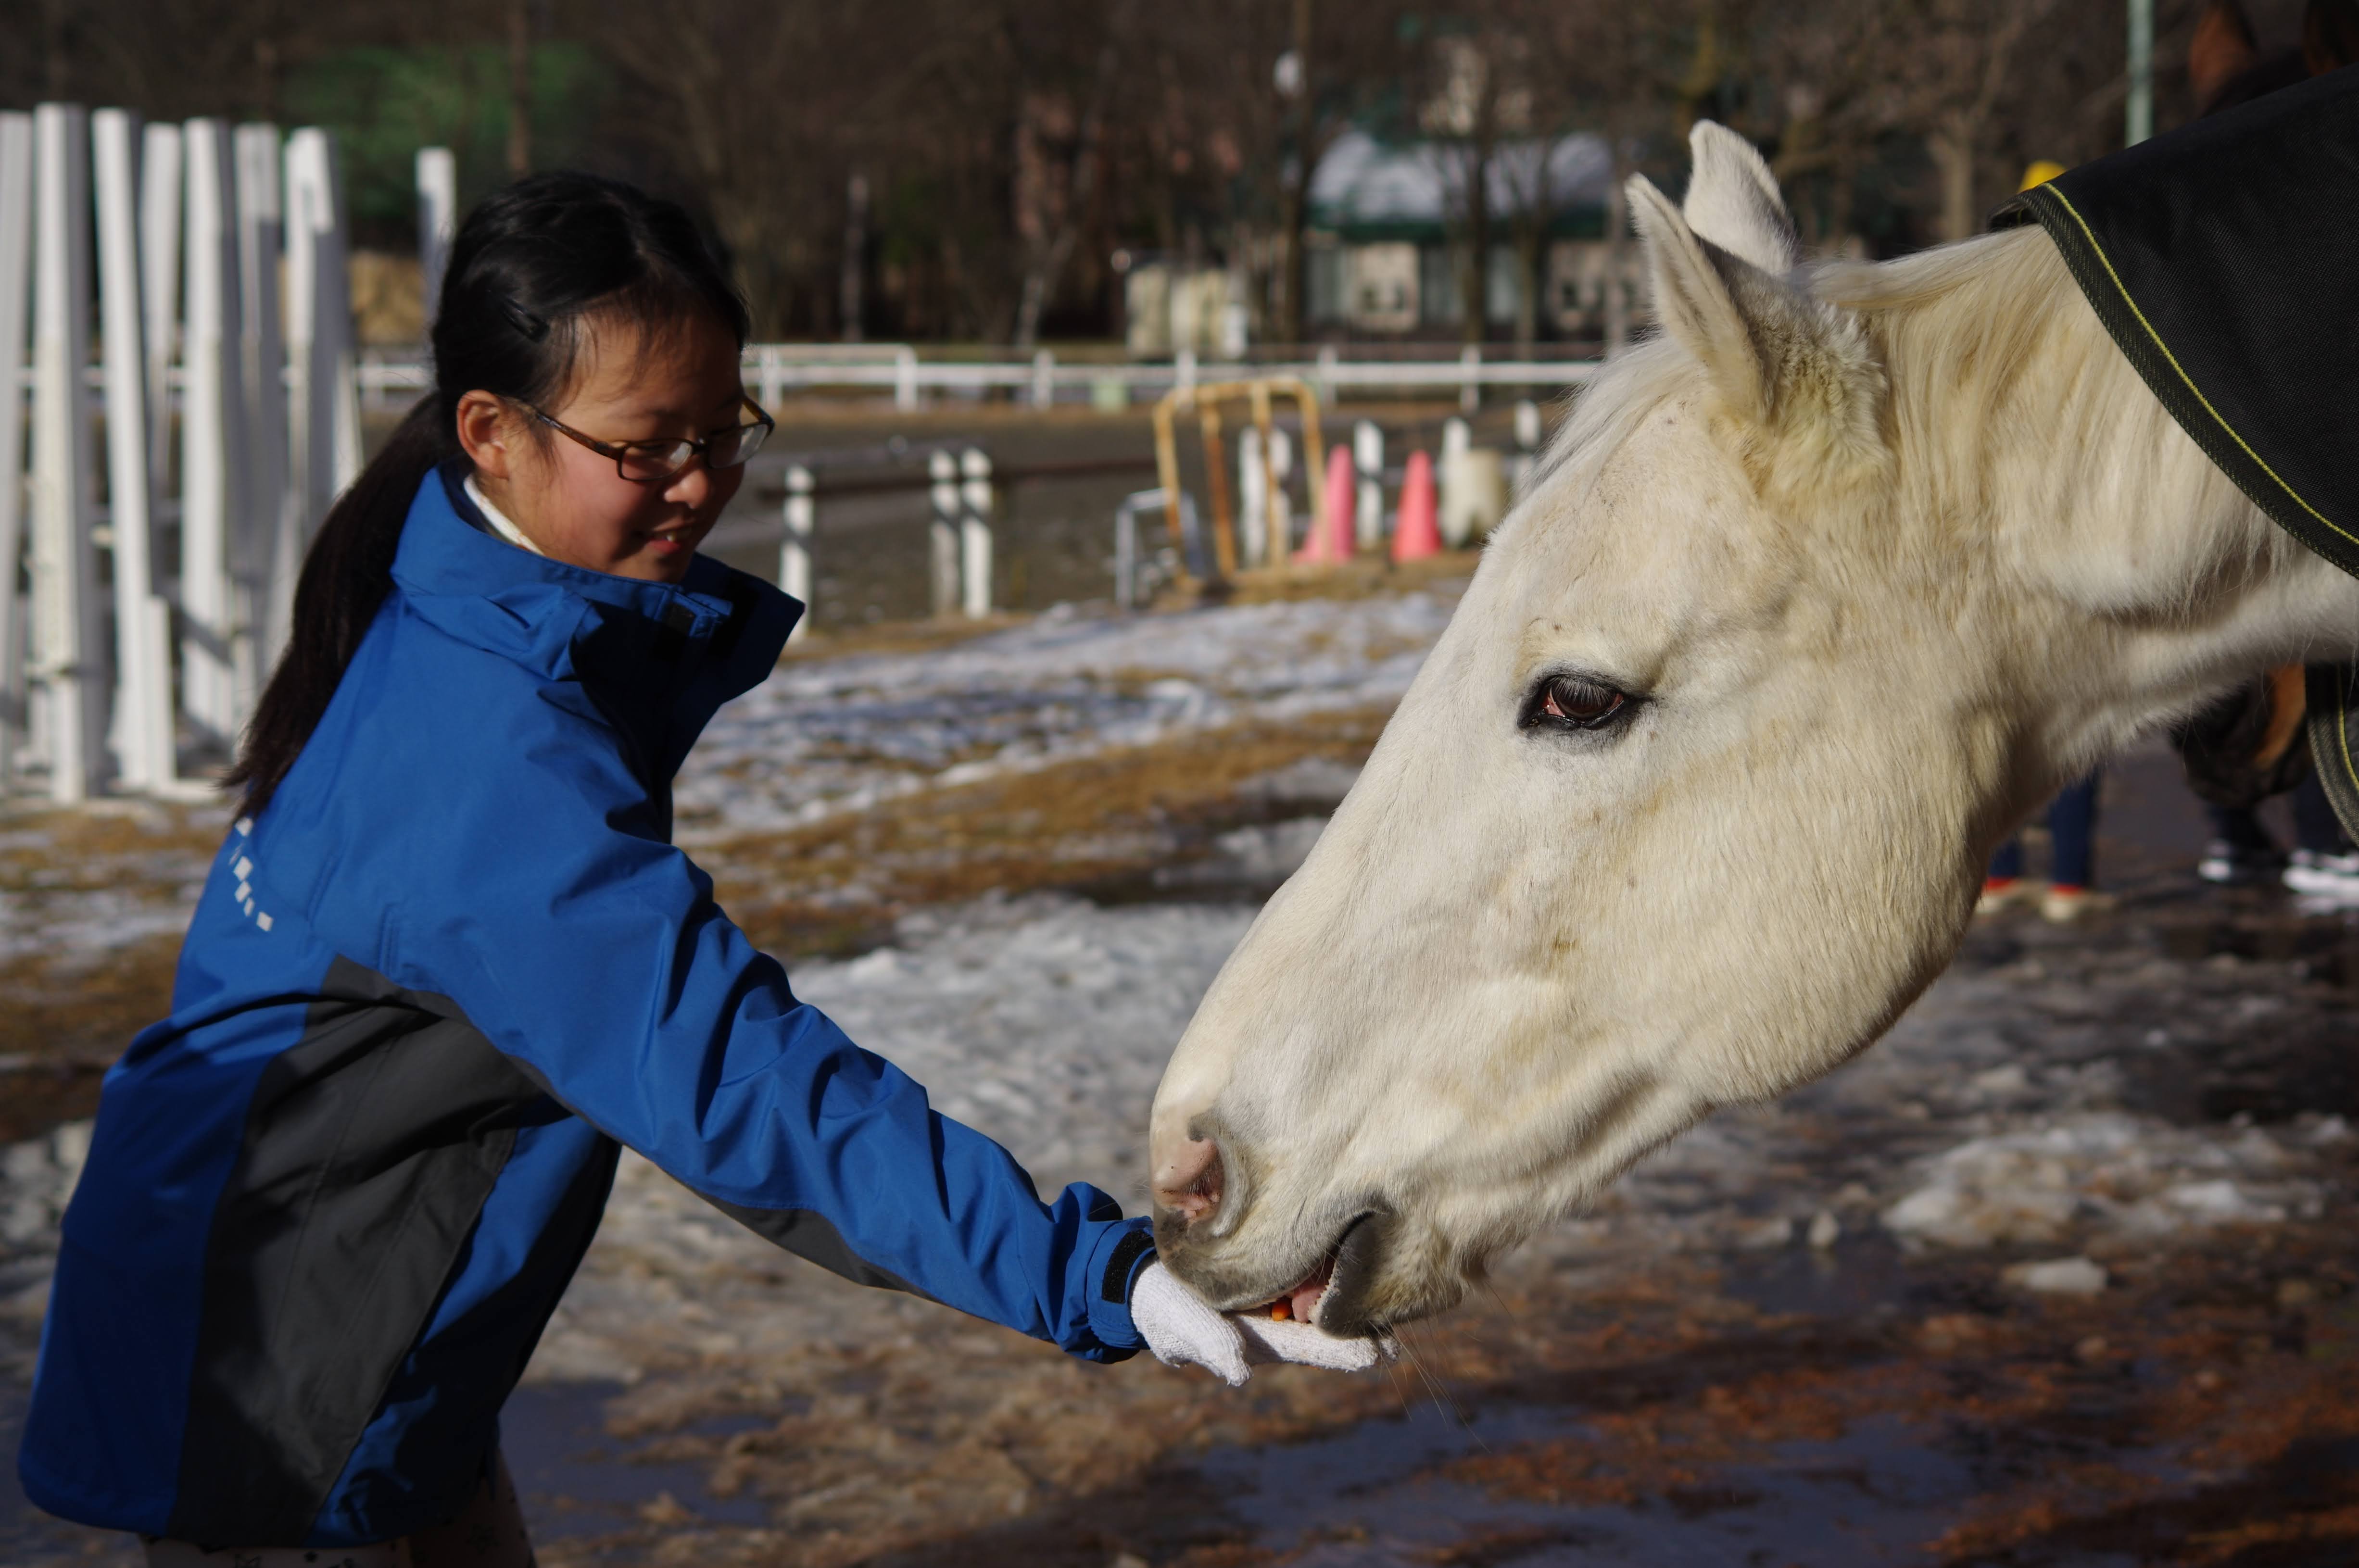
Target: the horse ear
pixel 1774 355
pixel 1695 300
pixel 1733 201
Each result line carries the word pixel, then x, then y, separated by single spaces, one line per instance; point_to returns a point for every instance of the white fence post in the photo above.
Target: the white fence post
pixel 1368 457
pixel 795 550
pixel 67 648
pixel 161 184
pixel 974 532
pixel 15 285
pixel 338 330
pixel 943 532
pixel 905 379
pixel 15 298
pixel 262 544
pixel 438 220
pixel 1253 498
pixel 1278 501
pixel 323 395
pixel 1470 382
pixel 159 286
pixel 1044 380
pixel 143 676
pixel 143 191
pixel 1125 550
pixel 212 407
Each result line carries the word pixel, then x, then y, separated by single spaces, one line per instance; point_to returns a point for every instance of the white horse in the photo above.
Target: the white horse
pixel 1819 594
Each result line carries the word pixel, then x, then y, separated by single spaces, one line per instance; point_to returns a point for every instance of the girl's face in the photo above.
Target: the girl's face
pixel 632 383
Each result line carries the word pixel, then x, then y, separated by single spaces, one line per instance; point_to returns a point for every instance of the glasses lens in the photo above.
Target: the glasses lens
pixel 654 461
pixel 729 449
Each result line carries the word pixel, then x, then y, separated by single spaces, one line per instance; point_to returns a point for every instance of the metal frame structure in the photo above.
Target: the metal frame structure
pixel 1206 400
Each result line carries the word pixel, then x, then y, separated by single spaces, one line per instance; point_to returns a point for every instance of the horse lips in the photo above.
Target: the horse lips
pixel 1301 1302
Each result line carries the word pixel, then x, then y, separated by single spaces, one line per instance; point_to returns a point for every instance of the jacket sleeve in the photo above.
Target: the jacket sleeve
pixel 593 952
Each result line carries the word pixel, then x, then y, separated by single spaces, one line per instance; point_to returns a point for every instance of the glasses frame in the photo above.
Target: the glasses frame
pixel 621 450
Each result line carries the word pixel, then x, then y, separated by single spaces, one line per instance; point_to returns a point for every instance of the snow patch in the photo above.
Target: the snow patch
pixel 2110 1170
pixel 1260 856
pixel 2057 1277
pixel 825 736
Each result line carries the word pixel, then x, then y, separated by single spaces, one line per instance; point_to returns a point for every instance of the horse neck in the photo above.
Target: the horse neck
pixel 2129 574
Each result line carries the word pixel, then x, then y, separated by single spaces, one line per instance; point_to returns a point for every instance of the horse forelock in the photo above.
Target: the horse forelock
pixel 1603 413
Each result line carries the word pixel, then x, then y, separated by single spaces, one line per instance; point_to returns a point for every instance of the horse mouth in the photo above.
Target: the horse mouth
pixel 1299 1302
pixel 1332 1296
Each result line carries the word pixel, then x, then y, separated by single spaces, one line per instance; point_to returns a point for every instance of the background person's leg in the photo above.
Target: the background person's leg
pixel 2315 826
pixel 2323 865
pixel 2072 835
pixel 2073 830
pixel 2003 884
pixel 2242 849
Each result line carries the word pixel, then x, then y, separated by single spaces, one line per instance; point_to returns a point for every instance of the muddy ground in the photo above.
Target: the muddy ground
pixel 2060 1273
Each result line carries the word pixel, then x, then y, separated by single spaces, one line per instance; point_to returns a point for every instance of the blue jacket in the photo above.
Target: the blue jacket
pixel 333 1199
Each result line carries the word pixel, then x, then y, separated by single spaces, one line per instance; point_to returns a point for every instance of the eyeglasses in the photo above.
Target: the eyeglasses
pixel 652 462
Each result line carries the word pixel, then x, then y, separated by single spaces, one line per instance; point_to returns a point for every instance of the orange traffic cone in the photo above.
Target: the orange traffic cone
pixel 1335 544
pixel 1416 529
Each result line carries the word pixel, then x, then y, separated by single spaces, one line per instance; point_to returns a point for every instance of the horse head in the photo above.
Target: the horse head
pixel 1798 617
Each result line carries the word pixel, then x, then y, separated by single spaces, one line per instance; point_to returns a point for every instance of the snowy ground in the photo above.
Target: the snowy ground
pixel 827 736
pixel 2100 1170
pixel 121 877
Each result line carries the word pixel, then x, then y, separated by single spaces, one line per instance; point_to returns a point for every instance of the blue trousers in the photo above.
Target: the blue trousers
pixel 2073 831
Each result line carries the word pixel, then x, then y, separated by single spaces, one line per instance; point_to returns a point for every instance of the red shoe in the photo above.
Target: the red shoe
pixel 2066 902
pixel 2000 892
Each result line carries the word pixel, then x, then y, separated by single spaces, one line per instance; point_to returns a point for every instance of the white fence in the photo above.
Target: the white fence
pixel 227 400
pixel 773 370
pixel 145 597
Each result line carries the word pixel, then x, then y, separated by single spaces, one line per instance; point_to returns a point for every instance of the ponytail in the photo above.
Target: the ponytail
pixel 526 268
pixel 346 575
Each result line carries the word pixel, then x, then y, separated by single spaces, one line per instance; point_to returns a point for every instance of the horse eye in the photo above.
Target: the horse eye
pixel 1574 702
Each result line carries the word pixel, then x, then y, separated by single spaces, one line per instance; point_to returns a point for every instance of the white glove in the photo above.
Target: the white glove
pixel 1182 1330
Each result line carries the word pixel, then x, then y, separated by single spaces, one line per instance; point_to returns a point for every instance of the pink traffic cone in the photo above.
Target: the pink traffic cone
pixel 1336 543
pixel 1416 528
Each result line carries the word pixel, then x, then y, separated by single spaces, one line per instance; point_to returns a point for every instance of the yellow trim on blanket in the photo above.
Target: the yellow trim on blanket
pixel 2342 730
pixel 2063 201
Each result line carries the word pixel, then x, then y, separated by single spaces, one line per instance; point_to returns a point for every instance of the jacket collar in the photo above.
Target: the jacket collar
pixel 660 657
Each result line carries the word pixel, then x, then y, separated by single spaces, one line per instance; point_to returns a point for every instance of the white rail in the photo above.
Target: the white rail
pixel 773 370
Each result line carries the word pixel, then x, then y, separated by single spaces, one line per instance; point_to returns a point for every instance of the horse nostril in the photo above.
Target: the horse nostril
pixel 1189 1184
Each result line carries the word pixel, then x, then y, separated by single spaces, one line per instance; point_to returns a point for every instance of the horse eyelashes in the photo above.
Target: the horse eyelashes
pixel 1574 702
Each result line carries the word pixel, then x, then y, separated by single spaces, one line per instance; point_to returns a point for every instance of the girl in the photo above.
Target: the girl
pixel 448 962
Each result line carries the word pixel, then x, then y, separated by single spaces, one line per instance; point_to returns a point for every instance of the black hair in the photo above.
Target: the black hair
pixel 528 269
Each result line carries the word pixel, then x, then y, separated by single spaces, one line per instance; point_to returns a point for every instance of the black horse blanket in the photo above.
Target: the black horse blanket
pixel 2224 258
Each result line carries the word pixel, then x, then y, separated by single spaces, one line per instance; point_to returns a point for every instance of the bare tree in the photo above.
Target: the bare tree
pixel 519 88
pixel 1005 149
pixel 1633 74
pixel 1058 162
pixel 1238 101
pixel 755 102
pixel 1982 86
pixel 1464 114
